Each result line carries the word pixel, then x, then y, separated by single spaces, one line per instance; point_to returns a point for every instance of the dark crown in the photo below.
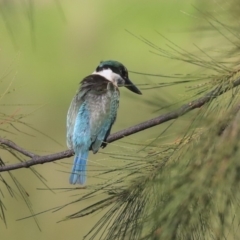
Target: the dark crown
pixel 115 66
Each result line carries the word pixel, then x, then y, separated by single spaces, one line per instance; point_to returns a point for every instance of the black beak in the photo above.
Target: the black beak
pixel 128 84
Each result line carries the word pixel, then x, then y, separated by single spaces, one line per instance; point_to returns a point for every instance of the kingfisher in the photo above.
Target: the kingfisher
pixel 92 113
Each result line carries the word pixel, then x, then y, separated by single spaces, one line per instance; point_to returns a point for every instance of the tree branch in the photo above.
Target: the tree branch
pixel 14 146
pixel 35 159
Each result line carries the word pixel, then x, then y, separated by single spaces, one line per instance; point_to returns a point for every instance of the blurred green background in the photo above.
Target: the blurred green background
pixel 46 48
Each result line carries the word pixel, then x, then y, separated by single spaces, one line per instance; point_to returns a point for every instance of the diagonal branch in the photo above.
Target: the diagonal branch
pixel 35 159
pixel 14 146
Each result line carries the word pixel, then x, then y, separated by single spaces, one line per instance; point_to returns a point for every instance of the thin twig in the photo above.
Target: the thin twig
pixel 35 159
pixel 14 146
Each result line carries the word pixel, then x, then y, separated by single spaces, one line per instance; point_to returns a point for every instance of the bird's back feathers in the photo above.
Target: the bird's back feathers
pixel 90 118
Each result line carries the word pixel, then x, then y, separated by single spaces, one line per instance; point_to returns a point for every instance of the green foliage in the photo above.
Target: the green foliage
pixel 188 189
pixel 182 180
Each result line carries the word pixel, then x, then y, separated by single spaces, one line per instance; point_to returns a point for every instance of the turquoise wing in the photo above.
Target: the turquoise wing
pixel 73 111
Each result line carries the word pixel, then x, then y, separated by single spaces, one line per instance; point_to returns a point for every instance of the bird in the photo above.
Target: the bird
pixel 92 113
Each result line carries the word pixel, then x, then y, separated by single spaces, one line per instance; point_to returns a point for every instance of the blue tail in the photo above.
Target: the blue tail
pixel 78 174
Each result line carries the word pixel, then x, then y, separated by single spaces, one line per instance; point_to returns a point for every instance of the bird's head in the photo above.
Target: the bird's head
pixel 118 74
